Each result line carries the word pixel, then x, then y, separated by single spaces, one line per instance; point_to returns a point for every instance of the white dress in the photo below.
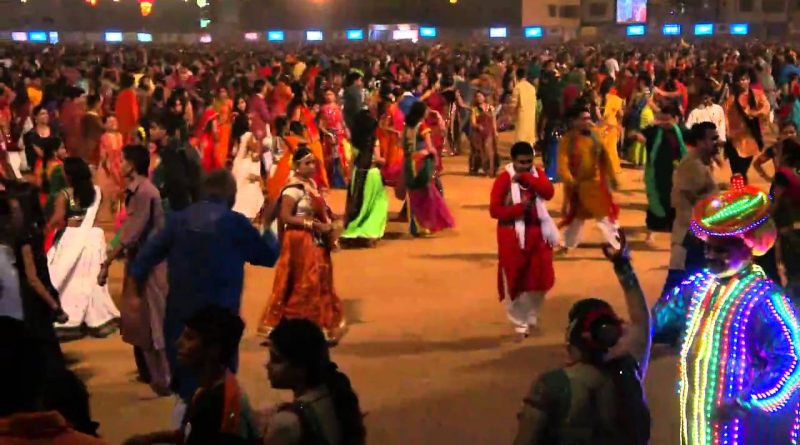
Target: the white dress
pixel 74 262
pixel 249 196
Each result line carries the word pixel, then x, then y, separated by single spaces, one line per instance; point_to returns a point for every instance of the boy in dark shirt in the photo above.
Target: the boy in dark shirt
pixel 219 412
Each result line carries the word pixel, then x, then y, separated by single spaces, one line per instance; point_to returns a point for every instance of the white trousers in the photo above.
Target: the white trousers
pixel 610 231
pixel 523 312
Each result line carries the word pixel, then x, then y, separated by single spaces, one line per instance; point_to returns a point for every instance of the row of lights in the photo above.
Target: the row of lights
pixel 700 29
pixel 357 34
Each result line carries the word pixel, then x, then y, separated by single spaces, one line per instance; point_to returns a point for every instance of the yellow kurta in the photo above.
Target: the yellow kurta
pixel 580 164
pixel 611 128
pixel 523 100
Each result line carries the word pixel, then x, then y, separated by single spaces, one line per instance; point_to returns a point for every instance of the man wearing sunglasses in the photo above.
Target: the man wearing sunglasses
pixel 738 332
pixel 691 182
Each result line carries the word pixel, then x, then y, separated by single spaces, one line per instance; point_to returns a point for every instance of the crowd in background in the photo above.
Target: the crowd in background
pixel 210 157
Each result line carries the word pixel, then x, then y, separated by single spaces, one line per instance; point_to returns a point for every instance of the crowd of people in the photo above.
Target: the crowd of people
pixel 209 158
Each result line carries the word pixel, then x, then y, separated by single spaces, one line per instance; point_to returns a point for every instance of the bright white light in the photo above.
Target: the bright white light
pixel 19 36
pixel 498 33
pixel 205 38
pixel 314 36
pixel 202 3
pixel 144 37
pixel 113 36
pixel 251 36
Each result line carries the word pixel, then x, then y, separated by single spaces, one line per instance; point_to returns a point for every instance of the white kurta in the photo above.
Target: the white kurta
pixel 249 196
pixel 523 100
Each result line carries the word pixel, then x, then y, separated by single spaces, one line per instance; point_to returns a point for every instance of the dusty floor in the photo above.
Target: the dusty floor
pixel 429 350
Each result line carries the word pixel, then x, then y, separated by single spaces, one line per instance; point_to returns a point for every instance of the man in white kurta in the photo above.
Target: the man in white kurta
pixel 523 101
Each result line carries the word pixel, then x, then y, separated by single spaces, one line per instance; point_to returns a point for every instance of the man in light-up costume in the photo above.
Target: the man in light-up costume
pixel 738 333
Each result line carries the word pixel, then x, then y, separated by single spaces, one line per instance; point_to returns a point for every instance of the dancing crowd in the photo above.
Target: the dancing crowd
pixel 204 159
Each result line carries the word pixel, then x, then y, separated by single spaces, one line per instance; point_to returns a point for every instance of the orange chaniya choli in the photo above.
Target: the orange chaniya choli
pixel 303 286
pixel 126 110
pixel 225 124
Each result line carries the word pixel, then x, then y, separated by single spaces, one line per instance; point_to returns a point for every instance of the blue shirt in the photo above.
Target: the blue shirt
pixel 206 247
pixel 787 70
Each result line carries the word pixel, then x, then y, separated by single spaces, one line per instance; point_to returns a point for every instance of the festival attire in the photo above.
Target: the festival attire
pixel 436 102
pixel 483 140
pixel 665 149
pixel 142 306
pixel 336 160
pixel 426 208
pixel 523 100
pixel 219 414
pixel 367 200
pixel 224 111
pixel 525 239
pixel 611 127
pixel 92 131
pixel 739 335
pixel 74 262
pixel 303 286
pixel 206 140
pixel 282 171
pixel 640 116
pixel 126 109
pixel 585 168
pixel 745 134
pixel 249 196
pixel 109 176
pixel 391 145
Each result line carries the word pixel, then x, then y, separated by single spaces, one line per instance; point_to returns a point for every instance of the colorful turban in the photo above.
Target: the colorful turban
pixel 743 212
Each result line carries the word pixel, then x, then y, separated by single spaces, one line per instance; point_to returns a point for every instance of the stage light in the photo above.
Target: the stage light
pixel 204 23
pixel 534 32
pixel 91 2
pixel 671 29
pixel 37 36
pixel 205 38
pixel 498 33
pixel 635 30
pixel 704 29
pixel 355 34
pixel 314 36
pixel 52 37
pixel 251 36
pixel 202 3
pixel 113 36
pixel 427 32
pixel 740 29
pixel 275 36
pixel 19 36
pixel 144 37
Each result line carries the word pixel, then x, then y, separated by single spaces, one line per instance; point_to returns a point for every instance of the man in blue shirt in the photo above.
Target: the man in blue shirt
pixel 788 69
pixel 206 246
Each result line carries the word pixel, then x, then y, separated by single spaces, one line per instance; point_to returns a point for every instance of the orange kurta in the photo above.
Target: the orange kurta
pixel 126 109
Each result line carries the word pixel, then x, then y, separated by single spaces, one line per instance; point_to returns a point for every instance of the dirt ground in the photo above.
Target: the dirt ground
pixel 429 350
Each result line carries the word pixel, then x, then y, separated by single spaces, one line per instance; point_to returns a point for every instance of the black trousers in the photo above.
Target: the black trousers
pixel 739 165
pixel 141 365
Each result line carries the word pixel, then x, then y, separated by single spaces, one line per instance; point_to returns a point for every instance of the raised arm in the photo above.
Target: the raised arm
pixel 636 340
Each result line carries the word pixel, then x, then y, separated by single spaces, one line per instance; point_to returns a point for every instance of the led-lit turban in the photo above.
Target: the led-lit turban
pixel 742 211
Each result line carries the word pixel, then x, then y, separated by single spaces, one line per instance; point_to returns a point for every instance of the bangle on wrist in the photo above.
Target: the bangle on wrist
pixel 308 224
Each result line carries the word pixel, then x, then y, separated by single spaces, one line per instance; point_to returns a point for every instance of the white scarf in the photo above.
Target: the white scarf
pixel 549 229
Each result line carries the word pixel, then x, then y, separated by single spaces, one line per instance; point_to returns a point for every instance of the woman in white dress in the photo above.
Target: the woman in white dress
pixel 247 171
pixel 77 254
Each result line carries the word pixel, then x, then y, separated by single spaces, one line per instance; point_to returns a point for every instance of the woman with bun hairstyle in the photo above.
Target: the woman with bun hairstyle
pixel 597 398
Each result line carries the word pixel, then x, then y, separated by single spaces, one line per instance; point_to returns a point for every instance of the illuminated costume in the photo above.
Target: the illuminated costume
pixel 740 336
